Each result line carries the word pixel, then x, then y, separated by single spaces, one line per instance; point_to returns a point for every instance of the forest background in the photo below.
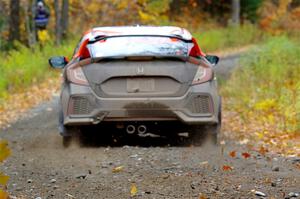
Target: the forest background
pixel 261 97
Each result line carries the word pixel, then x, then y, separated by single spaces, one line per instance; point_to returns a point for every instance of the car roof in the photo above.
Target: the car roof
pixel 139 30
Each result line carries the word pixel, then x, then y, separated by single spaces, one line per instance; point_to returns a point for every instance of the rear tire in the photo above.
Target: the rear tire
pixel 67 132
pixel 66 141
pixel 199 134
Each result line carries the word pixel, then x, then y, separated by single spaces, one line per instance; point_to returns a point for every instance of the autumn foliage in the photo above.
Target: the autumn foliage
pixel 281 17
pixel 262 96
pixel 4 153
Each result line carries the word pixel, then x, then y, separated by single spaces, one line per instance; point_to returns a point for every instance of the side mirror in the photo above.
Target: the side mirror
pixel 58 62
pixel 212 59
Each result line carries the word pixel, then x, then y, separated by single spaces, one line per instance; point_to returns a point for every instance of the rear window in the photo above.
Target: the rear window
pixel 138 46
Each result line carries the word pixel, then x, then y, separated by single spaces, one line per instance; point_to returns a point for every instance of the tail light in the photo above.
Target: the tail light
pixel 203 74
pixel 76 76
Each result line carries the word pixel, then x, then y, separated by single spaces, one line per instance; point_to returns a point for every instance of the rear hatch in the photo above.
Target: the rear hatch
pixel 133 79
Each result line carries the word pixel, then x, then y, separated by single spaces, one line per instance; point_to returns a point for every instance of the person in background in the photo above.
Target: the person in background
pixel 41 16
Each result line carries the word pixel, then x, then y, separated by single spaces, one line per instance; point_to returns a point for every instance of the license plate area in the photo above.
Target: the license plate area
pixel 137 85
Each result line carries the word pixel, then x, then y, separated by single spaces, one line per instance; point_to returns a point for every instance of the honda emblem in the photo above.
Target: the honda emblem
pixel 140 70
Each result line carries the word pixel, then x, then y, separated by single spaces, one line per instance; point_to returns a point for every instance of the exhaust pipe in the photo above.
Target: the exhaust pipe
pixel 130 129
pixel 142 129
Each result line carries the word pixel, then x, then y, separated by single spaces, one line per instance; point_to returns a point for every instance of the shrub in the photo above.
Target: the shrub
pixel 267 84
pixel 219 39
pixel 23 66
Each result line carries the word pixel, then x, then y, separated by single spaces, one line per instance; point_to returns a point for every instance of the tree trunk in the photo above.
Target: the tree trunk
pixel 65 18
pixel 236 7
pixel 29 13
pixel 58 31
pixel 26 10
pixel 14 23
pixel 32 24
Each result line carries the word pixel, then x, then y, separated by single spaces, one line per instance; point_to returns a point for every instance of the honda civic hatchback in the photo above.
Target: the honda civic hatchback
pixel 139 78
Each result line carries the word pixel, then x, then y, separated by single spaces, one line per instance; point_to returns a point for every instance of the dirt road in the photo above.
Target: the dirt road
pixel 41 168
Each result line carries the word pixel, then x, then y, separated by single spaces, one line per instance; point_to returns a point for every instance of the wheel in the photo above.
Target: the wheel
pixel 198 134
pixel 212 132
pixel 66 141
pixel 67 132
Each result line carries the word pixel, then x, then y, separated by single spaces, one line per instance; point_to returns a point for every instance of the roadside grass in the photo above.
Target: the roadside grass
pixel 231 37
pixel 23 67
pixel 264 91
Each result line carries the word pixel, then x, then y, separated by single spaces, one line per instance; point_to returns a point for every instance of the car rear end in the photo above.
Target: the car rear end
pixel 166 91
pixel 140 80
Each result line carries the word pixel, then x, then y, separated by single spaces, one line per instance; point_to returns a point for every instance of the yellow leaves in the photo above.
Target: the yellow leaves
pixel 43 36
pixel 4 153
pixel 202 196
pixel 266 105
pixel 283 7
pixel 122 5
pixel 3 179
pixel 14 107
pixel 278 19
pixel 4 150
pixel 3 194
pixel 260 135
pixel 117 169
pixel 145 17
pixel 133 190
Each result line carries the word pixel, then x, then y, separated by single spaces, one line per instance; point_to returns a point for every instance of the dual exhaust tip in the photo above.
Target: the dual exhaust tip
pixel 131 129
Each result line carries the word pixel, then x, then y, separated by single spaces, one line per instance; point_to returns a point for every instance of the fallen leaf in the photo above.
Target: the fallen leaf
pixel 204 163
pixel 4 150
pixel 260 135
pixel 246 155
pixel 244 141
pixel 69 195
pixel 232 154
pixel 262 150
pixel 297 165
pixel 227 168
pixel 202 196
pixel 3 179
pixel 117 169
pixel 133 190
pixel 3 194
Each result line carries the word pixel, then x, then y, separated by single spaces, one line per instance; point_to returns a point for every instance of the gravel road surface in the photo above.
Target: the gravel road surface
pixel 41 168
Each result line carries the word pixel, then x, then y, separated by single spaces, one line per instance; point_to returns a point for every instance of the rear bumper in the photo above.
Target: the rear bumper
pixel 199 105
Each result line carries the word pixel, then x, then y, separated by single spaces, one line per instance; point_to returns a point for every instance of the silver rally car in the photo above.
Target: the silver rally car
pixel 136 76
